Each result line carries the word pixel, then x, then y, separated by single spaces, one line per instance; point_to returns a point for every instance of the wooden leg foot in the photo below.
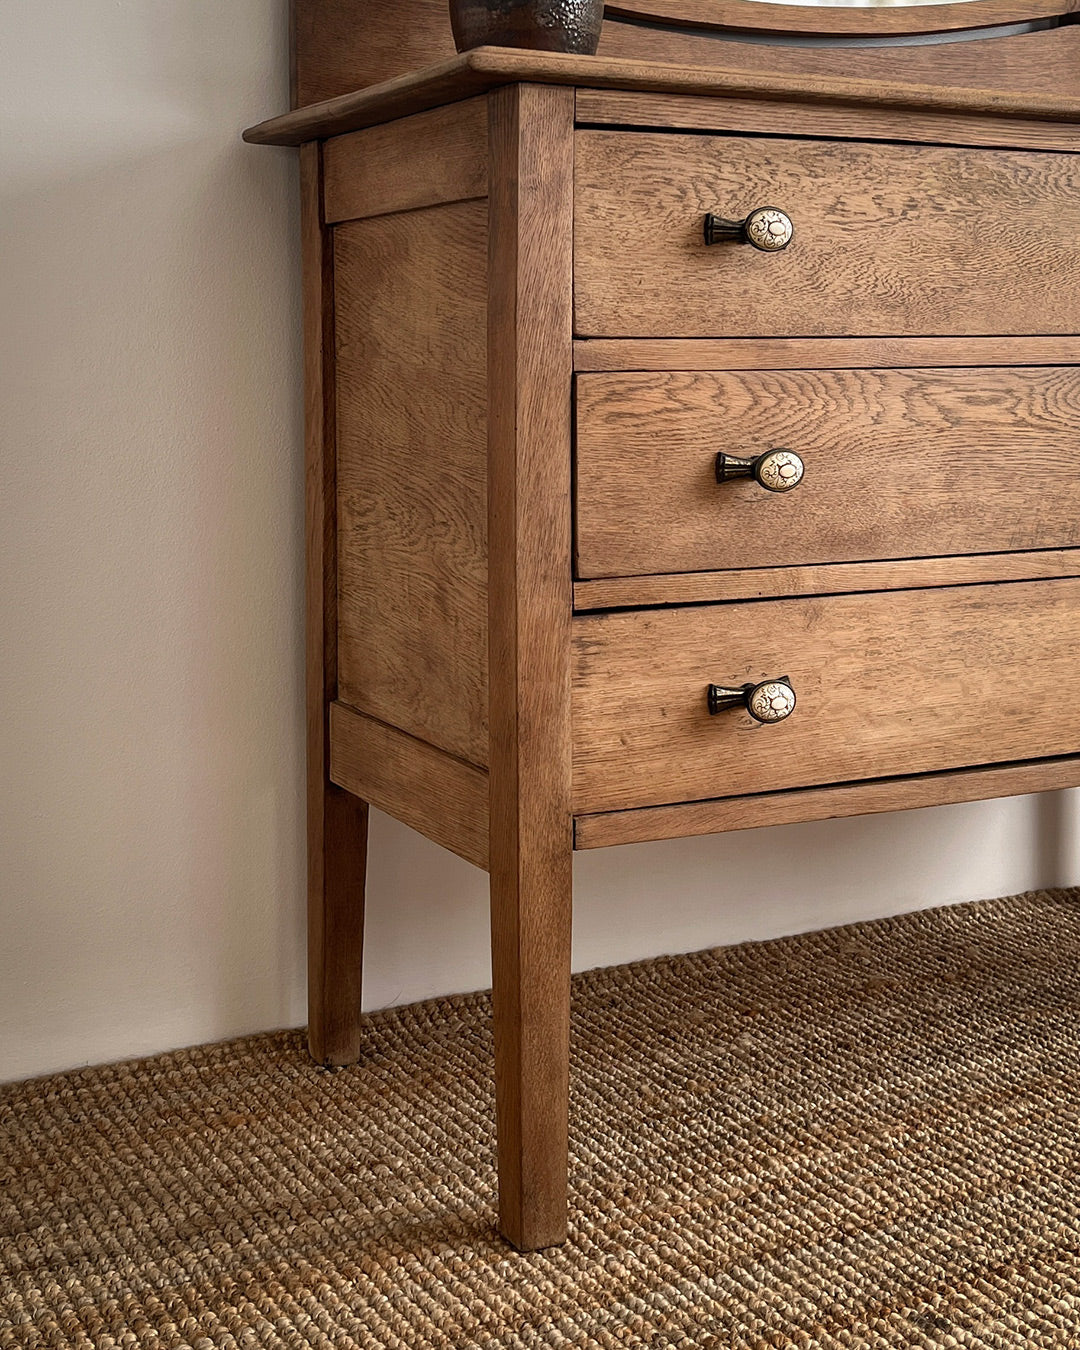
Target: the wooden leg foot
pixel 337 859
pixel 531 921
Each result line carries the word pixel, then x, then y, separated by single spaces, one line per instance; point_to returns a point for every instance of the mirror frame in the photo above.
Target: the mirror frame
pixel 835 20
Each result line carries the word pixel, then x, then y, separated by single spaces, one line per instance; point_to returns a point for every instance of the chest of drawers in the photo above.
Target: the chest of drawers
pixel 626 523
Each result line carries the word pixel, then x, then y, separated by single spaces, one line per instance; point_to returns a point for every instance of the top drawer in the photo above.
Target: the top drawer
pixel 889 239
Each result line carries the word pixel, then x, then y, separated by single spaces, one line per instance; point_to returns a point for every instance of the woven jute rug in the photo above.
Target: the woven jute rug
pixel 864 1137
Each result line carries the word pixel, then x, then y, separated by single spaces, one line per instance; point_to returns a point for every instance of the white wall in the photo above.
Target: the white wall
pixel 151 873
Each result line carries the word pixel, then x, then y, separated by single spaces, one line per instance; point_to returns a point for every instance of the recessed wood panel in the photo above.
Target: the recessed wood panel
pixel 898 683
pixel 899 464
pixel 889 239
pixel 412 497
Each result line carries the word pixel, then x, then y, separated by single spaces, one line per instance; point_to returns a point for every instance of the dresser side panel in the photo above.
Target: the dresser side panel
pixel 412 498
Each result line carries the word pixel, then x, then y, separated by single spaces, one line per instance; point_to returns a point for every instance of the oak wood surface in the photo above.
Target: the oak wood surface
pixel 824 803
pixel 888 684
pixel 837 20
pixel 1030 63
pixel 336 820
pixel 430 159
pixel 899 464
pixel 338 45
pixel 442 797
pixel 492 67
pixel 613 107
pixel 761 583
pixel 412 514
pixel 343 45
pixel 889 239
pixel 628 354
pixel 530 595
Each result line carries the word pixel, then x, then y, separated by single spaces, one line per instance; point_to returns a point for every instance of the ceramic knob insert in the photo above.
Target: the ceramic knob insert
pixel 769 702
pixel 776 470
pixel 766 228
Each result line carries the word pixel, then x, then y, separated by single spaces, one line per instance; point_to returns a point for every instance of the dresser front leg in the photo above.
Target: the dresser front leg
pixel 530 928
pixel 337 862
pixel 530 603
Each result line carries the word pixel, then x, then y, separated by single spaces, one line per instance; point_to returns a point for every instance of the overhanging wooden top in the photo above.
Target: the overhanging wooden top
pixel 486 68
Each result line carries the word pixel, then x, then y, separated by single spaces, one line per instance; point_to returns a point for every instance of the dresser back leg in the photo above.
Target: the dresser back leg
pixel 337 821
pixel 337 857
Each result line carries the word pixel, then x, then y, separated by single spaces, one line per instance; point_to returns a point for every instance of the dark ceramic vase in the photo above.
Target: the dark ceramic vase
pixel 543 25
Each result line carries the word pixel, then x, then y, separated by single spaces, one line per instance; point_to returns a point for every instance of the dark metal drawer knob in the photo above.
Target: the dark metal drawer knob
pixel 768 702
pixel 776 470
pixel 766 228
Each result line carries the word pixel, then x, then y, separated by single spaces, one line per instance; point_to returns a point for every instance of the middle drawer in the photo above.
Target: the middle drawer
pixel 898 464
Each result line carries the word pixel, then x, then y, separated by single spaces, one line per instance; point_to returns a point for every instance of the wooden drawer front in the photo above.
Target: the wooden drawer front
pixel 889 239
pixel 899 464
pixel 899 683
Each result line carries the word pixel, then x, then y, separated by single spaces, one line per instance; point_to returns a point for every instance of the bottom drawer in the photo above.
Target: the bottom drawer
pixel 897 683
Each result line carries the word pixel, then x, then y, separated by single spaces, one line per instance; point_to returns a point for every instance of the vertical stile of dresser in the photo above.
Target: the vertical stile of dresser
pixel 916 346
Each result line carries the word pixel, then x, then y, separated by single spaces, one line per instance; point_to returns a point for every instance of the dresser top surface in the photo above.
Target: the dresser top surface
pixel 486 68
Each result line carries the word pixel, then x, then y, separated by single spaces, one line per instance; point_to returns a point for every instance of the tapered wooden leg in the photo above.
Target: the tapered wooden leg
pixel 530 604
pixel 530 927
pixel 337 821
pixel 337 858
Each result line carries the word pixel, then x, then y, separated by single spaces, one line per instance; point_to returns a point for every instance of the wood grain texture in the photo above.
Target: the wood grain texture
pixel 761 583
pixel 412 522
pixel 492 67
pixel 627 354
pixel 832 20
pixel 529 618
pixel 888 684
pixel 443 798
pixel 597 107
pixel 336 820
pixel 1023 63
pixel 339 45
pixel 888 239
pixel 899 464
pixel 826 803
pixel 430 159
pixel 344 45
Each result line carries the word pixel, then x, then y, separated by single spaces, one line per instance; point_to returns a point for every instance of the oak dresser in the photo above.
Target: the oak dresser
pixel 692 445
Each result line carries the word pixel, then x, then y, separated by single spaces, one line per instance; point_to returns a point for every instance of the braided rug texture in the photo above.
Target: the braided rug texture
pixel 863 1137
